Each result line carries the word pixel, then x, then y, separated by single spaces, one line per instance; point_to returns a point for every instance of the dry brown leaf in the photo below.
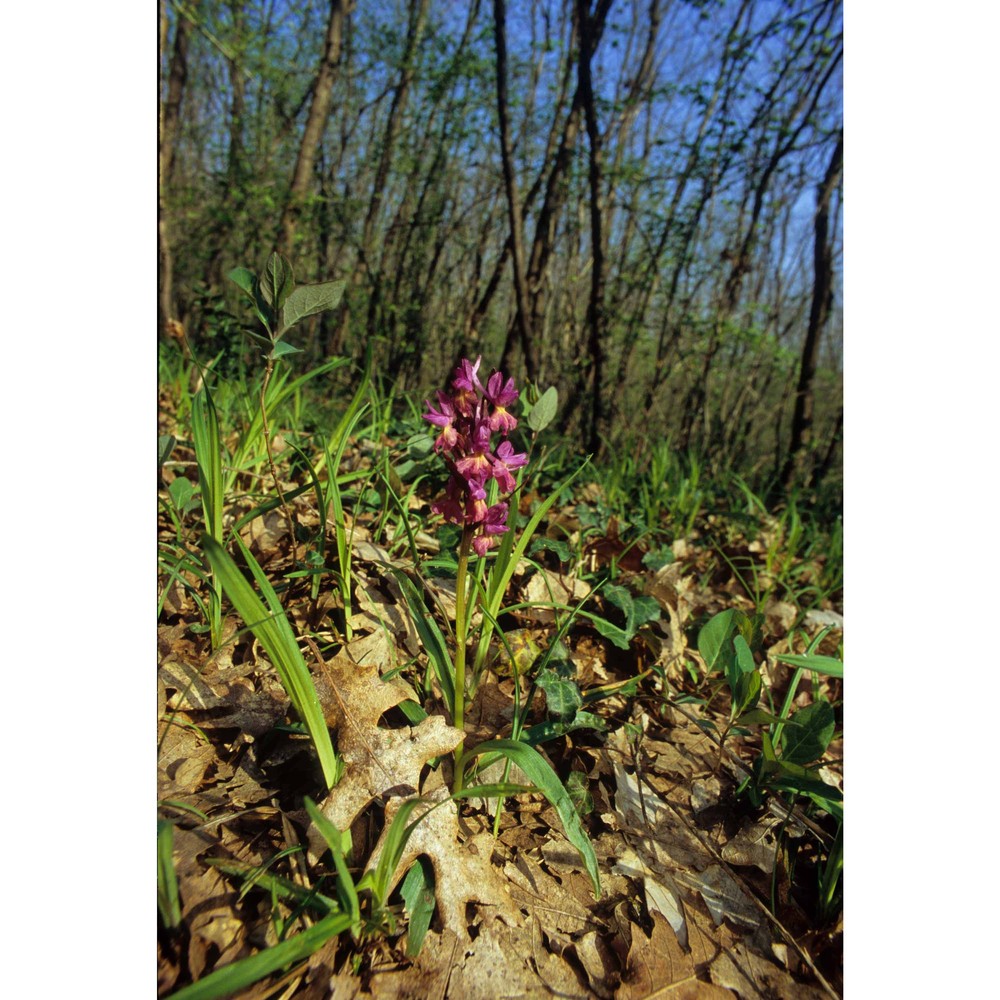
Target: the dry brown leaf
pixel 389 612
pixel 722 895
pixel 649 824
pixel 658 964
pixel 230 700
pixel 207 902
pixel 498 963
pixel 385 764
pixel 263 533
pixel 754 844
pixel 753 977
pixel 546 587
pixel 779 616
pixel 539 893
pixel 705 793
pixel 381 764
pixel 376 647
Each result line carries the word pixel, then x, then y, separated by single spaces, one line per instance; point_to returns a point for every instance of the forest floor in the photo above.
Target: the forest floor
pixel 702 894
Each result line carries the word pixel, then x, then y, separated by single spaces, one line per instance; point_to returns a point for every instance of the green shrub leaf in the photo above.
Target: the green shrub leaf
pixel 544 411
pixel 307 300
pixel 277 282
pixel 713 641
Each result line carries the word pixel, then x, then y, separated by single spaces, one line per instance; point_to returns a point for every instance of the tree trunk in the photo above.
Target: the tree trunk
pixel 366 266
pixel 319 112
pixel 819 312
pixel 590 32
pixel 170 112
pixel 513 200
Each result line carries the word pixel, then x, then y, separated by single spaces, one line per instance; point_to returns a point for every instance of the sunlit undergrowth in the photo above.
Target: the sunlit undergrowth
pixel 639 602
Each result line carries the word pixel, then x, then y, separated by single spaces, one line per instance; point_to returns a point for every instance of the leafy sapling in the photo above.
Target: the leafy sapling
pixel 279 305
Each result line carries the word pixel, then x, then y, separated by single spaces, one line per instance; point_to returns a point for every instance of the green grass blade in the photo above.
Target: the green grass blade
pixel 539 771
pixel 344 551
pixel 274 633
pixel 829 665
pixel 338 439
pixel 430 636
pixel 167 897
pixel 417 891
pixel 208 454
pixel 339 844
pixel 232 978
pixel 277 885
pixel 392 852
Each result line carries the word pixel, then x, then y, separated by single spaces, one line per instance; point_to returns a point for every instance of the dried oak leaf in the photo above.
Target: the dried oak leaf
pixel 378 763
pixel 462 872
pixel 385 764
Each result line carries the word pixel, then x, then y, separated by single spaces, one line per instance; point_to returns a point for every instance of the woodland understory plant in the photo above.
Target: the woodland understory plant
pixel 468 418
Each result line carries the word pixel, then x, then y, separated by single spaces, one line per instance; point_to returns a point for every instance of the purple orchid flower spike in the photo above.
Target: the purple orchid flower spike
pixel 467 417
pixel 475 466
pixel 452 505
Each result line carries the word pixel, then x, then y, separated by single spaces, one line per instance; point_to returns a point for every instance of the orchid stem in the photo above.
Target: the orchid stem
pixel 460 644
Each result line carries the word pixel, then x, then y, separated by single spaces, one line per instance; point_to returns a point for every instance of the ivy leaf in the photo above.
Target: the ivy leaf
pixel 551 729
pixel 609 630
pixel 556 545
pixel 576 785
pixel 637 610
pixel 562 697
